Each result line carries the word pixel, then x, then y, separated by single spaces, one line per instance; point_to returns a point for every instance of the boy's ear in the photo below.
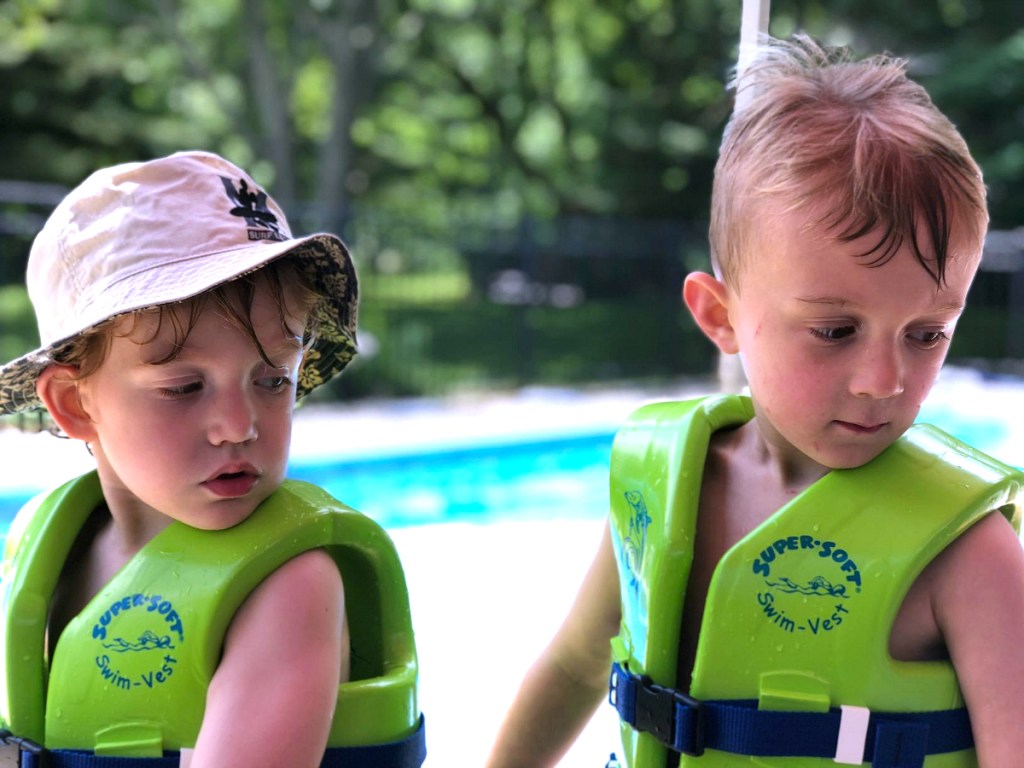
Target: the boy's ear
pixel 57 387
pixel 707 298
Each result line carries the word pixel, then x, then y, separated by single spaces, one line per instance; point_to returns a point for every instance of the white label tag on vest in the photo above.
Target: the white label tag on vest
pixel 853 735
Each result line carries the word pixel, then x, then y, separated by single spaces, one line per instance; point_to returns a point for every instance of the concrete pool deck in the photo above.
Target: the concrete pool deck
pixel 487 598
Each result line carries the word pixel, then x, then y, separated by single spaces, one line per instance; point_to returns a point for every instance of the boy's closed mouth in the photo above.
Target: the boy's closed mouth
pixel 862 429
pixel 232 481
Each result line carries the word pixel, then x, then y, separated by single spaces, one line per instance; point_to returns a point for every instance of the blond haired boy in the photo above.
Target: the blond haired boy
pixel 848 220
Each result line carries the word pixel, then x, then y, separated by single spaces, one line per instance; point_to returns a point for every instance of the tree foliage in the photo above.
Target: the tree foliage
pixel 447 109
pixel 272 85
pixel 447 136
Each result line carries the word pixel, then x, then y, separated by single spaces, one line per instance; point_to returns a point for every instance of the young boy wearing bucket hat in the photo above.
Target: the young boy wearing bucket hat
pixel 184 602
pixel 801 577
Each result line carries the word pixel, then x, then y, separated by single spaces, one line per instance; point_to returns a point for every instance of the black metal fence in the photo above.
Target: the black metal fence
pixel 559 302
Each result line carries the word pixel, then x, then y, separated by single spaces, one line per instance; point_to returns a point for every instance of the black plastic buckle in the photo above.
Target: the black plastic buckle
pixel 25 745
pixel 656 714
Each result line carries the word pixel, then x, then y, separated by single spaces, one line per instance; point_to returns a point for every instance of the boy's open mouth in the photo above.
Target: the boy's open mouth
pixel 232 483
pixel 862 429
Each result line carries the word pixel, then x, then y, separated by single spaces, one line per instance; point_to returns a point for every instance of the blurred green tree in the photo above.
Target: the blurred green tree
pixel 456 138
pixel 494 108
pixel 272 85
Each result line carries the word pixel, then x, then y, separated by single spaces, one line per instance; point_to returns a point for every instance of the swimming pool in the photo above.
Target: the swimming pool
pixel 537 472
pixel 561 477
pixel 552 478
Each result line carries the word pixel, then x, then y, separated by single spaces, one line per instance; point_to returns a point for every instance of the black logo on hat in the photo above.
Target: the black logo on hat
pixel 251 205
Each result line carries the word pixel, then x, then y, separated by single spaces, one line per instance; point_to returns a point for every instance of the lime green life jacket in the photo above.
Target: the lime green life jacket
pixel 799 612
pixel 129 674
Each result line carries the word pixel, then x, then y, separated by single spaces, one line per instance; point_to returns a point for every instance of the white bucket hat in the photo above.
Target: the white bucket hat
pixel 139 235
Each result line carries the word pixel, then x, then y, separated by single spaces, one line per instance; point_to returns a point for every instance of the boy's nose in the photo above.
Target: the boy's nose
pixel 233 419
pixel 879 373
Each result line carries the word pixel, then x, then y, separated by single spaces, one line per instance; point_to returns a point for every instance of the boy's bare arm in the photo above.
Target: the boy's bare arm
pixel 568 681
pixel 272 698
pixel 979 606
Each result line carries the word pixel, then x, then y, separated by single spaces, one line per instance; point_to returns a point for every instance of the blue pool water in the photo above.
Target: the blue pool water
pixel 560 478
pixel 565 478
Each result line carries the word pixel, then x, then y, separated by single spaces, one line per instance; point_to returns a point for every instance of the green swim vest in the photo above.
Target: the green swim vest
pixel 130 672
pixel 799 612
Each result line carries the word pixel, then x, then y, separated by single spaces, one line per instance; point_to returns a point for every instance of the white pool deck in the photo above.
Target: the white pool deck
pixel 487 598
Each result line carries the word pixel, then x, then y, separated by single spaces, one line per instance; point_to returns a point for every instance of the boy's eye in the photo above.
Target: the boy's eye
pixel 929 338
pixel 837 333
pixel 275 383
pixel 180 391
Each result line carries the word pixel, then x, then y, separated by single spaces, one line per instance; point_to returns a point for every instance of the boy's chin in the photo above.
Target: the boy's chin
pixel 851 459
pixel 223 514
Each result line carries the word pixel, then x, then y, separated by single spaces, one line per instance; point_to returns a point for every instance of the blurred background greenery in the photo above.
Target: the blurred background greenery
pixel 524 182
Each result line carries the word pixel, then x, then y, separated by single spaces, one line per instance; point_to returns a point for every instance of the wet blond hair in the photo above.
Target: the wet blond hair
pixel 291 291
pixel 858 140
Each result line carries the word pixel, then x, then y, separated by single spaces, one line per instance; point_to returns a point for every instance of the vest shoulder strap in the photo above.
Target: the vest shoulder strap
pixel 38 542
pixel 657 468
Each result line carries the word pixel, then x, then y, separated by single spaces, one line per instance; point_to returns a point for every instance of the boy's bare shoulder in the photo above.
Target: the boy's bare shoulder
pixel 978 600
pixel 308 578
pixel 964 587
pixel 977 571
pixel 295 616
pixel 308 590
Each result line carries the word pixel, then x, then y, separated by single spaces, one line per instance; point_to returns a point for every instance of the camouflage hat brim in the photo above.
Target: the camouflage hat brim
pixel 328 264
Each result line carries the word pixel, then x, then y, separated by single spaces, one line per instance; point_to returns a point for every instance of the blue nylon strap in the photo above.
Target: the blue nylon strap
pixel 900 746
pixel 894 739
pixel 409 752
pixel 72 758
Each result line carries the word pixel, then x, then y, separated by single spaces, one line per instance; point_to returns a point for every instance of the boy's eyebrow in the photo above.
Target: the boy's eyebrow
pixel 290 344
pixel 823 300
pixel 838 301
pixel 287 346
